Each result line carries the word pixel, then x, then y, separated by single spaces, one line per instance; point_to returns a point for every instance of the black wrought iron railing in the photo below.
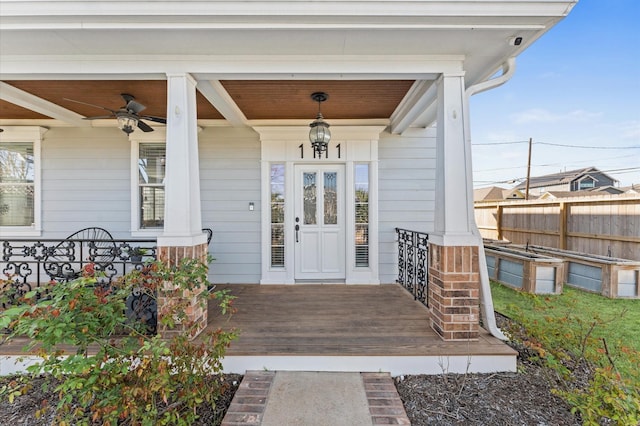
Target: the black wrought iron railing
pixel 30 264
pixel 413 263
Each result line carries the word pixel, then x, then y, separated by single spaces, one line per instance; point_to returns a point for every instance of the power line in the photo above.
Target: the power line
pixel 587 147
pixel 557 144
pixel 498 143
pixel 551 164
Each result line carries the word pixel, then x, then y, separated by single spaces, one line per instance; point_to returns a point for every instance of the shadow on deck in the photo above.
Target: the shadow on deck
pixel 346 328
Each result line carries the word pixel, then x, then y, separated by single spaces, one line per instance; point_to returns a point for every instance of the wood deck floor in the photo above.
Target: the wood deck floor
pixel 333 327
pixel 338 320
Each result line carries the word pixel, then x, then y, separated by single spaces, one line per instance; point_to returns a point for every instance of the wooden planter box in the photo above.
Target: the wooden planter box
pixel 528 272
pixel 609 276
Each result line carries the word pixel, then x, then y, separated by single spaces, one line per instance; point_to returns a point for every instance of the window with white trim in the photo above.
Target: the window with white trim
pixel 362 214
pixel 151 178
pixel 277 215
pixel 20 181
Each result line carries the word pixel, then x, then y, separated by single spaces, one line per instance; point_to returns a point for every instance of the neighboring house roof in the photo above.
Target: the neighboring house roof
pixel 633 189
pixel 593 192
pixel 490 193
pixel 562 178
pixel 495 193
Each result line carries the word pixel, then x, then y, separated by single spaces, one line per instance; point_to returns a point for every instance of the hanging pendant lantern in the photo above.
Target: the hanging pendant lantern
pixel 319 135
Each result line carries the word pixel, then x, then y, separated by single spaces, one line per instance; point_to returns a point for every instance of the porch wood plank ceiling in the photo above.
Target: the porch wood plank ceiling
pixel 255 60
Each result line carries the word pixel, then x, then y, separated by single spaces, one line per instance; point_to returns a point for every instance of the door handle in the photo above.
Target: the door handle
pixel 297 228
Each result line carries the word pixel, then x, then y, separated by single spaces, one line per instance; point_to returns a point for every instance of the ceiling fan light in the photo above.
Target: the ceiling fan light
pixel 127 123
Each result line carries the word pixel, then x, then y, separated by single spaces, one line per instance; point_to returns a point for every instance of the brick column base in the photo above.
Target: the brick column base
pixel 454 291
pixel 196 314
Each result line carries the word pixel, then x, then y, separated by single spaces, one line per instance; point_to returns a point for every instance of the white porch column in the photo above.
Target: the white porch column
pixel 182 211
pixel 454 177
pixel 183 236
pixel 454 279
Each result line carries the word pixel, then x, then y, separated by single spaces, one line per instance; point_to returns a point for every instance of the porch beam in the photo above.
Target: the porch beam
pixel 31 102
pixel 234 67
pixel 420 97
pixel 278 12
pixel 217 96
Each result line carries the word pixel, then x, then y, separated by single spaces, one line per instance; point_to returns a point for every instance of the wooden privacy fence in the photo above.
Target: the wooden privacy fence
pixel 606 226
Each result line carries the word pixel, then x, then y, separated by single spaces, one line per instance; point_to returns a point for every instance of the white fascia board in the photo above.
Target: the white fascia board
pixel 276 9
pixel 217 96
pixel 212 67
pixel 26 100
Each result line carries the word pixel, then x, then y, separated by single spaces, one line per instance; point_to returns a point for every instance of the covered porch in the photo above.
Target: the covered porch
pixel 336 327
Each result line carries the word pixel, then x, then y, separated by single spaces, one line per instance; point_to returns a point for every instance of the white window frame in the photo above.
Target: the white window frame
pixel 137 138
pixel 34 135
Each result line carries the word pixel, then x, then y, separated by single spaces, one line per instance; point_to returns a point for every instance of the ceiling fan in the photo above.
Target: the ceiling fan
pixel 128 116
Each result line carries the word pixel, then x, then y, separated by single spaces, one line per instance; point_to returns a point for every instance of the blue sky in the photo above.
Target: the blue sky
pixel 578 85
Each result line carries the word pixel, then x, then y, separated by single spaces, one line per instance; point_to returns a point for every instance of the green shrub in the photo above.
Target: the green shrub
pixel 118 370
pixel 570 332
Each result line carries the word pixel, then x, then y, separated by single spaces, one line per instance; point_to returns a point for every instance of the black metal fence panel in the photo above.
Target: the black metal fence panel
pixel 30 264
pixel 413 263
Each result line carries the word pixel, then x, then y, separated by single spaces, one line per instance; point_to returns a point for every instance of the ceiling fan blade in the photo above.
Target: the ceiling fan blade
pixel 144 126
pixel 88 104
pixel 154 119
pixel 100 117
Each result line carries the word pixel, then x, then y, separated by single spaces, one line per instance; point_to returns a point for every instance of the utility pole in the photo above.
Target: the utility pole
pixel 526 191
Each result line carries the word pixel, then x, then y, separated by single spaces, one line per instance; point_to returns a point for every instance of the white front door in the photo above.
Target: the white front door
pixel 319 222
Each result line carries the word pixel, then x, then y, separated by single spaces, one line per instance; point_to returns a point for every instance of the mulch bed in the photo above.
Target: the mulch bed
pixel 522 398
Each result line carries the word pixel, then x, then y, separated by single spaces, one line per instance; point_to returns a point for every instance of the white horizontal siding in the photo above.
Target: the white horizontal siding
pixel 229 181
pixel 85 181
pixel 406 193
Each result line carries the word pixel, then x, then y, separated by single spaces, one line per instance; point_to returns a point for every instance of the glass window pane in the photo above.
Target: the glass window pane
pixel 277 212
pixel 277 182
pixel 277 257
pixel 330 198
pixel 16 162
pixel 151 207
pixel 17 175
pixel 362 213
pixel 309 195
pixel 277 235
pixel 277 215
pixel 16 205
pixel 151 163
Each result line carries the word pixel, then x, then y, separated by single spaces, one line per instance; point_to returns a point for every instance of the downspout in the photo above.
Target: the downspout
pixel 486 301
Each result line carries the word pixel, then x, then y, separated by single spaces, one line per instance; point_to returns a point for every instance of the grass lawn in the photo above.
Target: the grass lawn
pixel 564 321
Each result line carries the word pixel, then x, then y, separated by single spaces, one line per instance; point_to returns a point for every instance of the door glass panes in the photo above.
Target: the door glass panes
pixel 310 198
pixel 362 214
pixel 151 174
pixel 330 198
pixel 277 215
pixel 17 176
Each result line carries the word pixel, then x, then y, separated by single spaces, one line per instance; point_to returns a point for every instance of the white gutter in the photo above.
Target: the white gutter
pixel 486 301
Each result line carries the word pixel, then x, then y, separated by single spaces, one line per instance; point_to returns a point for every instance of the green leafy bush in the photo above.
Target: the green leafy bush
pixel 117 371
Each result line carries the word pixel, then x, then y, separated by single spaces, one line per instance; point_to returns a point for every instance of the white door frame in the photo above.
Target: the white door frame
pixel 281 145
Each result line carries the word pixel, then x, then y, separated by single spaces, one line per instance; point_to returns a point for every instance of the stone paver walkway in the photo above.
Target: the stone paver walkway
pixel 313 398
